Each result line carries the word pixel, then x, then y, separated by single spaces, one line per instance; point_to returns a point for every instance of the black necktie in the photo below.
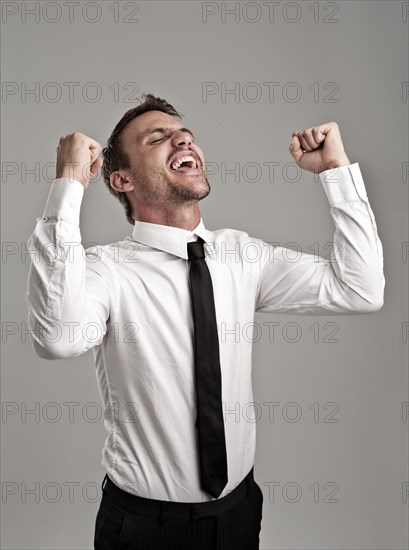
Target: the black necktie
pixel 210 425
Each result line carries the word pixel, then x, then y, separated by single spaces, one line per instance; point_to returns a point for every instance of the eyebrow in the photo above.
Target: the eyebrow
pixel 163 130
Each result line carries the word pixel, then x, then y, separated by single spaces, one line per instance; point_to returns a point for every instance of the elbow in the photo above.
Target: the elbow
pixel 53 339
pixel 375 305
pixel 47 340
pixel 373 300
pixel 364 297
pixel 379 302
pixel 366 305
pixel 52 350
pixel 378 294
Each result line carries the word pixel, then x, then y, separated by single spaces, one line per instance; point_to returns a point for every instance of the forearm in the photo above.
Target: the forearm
pixel 358 249
pixel 352 281
pixel 66 300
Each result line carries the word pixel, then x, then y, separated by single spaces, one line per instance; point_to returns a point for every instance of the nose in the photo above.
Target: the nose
pixel 181 138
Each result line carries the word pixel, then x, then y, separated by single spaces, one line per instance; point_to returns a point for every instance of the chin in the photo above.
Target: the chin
pixel 205 193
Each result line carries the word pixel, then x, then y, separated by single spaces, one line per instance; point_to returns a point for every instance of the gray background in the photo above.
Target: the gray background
pixel 360 461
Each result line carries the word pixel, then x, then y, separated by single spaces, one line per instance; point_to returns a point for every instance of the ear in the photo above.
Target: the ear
pixel 120 182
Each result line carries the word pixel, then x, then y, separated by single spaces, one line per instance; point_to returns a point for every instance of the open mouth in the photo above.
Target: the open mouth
pixel 185 163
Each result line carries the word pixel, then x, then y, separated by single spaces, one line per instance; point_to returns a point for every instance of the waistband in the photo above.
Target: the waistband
pixel 181 510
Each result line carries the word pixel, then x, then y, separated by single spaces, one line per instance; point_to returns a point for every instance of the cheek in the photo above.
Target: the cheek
pixel 152 163
pixel 200 153
pixel 158 160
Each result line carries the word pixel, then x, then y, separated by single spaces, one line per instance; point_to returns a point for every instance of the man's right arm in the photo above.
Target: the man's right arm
pixel 69 289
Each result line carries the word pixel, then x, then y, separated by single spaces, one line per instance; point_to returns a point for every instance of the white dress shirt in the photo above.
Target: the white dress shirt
pixel 130 302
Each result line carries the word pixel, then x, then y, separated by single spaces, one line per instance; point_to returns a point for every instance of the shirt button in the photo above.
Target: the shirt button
pixel 73 204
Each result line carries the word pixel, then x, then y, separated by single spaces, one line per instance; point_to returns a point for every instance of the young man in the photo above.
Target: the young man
pixel 179 474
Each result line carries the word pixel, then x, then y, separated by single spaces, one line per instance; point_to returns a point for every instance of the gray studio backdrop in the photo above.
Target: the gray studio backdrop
pixel 330 392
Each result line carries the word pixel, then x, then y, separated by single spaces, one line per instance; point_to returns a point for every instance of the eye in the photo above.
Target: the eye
pixel 156 140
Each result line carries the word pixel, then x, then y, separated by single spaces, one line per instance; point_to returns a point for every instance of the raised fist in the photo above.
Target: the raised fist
pixel 78 158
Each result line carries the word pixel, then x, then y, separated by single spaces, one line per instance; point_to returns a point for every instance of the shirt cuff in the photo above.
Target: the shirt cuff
pixel 343 184
pixel 64 200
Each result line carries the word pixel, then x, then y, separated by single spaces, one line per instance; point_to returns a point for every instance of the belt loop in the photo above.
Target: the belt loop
pixel 192 512
pixel 104 483
pixel 161 514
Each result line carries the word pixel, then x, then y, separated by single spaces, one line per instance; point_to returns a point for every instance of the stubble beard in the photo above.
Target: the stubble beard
pixel 159 188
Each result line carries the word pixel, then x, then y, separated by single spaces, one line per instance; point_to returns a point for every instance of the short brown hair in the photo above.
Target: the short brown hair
pixel 113 155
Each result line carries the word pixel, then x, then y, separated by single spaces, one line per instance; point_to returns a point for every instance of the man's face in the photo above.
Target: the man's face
pixel 166 165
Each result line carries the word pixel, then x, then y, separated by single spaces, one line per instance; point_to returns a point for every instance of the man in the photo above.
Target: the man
pixel 179 474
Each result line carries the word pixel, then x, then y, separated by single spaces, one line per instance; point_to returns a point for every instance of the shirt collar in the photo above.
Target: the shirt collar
pixel 166 238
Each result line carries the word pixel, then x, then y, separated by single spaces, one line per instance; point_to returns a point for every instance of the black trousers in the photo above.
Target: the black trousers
pixel 128 522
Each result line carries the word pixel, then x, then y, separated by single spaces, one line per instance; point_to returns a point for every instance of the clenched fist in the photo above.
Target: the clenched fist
pixel 319 148
pixel 78 158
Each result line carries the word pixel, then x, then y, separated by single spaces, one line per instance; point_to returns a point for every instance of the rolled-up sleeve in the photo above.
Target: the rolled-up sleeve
pixel 351 280
pixel 69 289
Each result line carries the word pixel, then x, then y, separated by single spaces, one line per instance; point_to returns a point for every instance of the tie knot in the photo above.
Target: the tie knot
pixel 195 250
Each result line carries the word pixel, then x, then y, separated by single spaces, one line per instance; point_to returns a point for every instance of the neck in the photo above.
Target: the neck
pixel 185 217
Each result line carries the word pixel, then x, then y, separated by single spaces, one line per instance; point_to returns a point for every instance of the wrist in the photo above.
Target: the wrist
pixel 338 162
pixel 71 175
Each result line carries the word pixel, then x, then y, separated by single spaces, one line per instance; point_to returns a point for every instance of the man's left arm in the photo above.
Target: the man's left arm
pixel 353 282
